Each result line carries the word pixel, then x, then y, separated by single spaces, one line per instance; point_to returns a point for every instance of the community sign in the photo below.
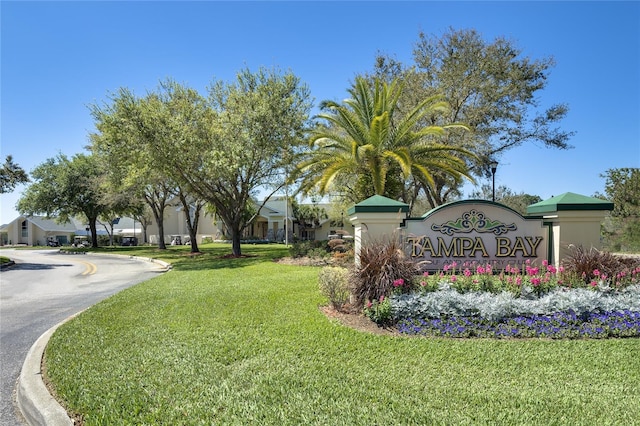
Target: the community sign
pixel 475 231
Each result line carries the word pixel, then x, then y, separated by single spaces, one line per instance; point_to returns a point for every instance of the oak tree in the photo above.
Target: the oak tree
pixel 66 187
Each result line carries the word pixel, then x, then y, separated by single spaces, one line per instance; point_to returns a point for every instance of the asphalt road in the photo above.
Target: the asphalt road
pixel 44 288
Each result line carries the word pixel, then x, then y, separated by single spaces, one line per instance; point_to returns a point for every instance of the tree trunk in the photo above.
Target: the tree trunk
pixel 109 230
pixel 194 243
pixel 192 223
pixel 94 232
pixel 157 202
pixel 235 242
pixel 161 243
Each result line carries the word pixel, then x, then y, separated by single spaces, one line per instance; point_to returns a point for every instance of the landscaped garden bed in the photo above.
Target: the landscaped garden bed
pixel 592 295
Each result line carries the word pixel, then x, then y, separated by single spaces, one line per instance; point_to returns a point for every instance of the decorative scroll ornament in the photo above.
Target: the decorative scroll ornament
pixel 474 220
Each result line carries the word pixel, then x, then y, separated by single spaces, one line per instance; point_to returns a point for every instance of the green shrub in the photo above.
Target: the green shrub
pixel 308 248
pixel 318 253
pixel 381 264
pixel 343 259
pixel 379 311
pixel 334 284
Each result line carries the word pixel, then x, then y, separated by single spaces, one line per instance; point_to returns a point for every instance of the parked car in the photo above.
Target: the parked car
pixel 52 242
pixel 80 241
pixel 129 241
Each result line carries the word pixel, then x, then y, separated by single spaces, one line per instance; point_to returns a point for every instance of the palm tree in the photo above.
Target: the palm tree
pixel 366 136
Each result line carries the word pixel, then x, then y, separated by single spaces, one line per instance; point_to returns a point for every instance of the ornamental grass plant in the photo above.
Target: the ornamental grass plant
pixel 381 264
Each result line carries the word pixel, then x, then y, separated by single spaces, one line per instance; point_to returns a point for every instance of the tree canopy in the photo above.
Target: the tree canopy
pixel 518 202
pixel 65 187
pixel 369 147
pixel 490 86
pixel 622 187
pixel 126 135
pixel 221 149
pixel 11 175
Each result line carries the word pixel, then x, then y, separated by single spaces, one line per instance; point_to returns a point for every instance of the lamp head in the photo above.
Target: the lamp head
pixel 494 166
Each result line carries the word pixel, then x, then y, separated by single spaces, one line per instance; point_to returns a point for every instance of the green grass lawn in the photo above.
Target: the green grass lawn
pixel 242 341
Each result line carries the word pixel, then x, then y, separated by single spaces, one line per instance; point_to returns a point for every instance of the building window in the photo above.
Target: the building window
pixel 25 229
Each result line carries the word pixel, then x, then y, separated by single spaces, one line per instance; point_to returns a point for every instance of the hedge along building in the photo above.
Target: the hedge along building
pixel 483 231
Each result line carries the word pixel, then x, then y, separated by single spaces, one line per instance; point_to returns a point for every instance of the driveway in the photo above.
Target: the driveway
pixel 45 287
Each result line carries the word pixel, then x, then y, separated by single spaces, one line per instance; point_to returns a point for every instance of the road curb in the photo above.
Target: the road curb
pixel 167 266
pixel 32 396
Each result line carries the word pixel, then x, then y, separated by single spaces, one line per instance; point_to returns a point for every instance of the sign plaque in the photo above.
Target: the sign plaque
pixel 475 231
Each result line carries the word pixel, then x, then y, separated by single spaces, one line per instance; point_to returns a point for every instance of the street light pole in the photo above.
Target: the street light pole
pixel 494 166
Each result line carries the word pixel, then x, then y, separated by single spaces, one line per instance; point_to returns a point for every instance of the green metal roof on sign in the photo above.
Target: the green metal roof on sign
pixel 379 204
pixel 569 201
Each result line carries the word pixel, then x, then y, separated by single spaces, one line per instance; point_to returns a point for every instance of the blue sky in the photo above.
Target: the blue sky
pixel 60 57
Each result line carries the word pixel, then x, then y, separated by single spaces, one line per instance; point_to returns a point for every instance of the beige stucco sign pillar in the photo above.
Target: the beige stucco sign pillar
pixel 575 220
pixel 374 219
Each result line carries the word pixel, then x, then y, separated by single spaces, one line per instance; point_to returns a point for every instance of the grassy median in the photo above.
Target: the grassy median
pixel 242 341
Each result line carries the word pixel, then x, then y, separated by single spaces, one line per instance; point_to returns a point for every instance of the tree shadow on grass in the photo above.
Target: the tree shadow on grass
pixel 207 262
pixel 211 256
pixel 223 259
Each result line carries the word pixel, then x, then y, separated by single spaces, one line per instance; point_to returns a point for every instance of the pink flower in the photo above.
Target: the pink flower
pixel 467 272
pixel 425 274
pixel 535 282
pixel 453 278
pixel 596 272
pixel 480 270
pixel 398 283
pixel 593 283
pixel 369 304
pixel 381 299
pixel 423 284
pixel 518 280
